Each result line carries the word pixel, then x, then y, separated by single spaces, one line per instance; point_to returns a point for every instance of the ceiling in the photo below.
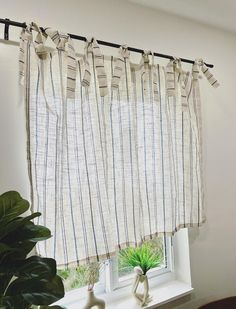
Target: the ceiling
pixel 218 13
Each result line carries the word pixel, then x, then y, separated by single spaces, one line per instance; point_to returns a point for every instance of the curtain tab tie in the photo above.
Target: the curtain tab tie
pixel 124 51
pixel 146 54
pixel 119 66
pixel 199 63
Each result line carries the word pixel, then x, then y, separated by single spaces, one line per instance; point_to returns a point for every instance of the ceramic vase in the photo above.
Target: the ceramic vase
pixel 142 298
pixel 93 301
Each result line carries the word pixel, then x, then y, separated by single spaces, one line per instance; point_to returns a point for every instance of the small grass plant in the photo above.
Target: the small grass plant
pixel 145 256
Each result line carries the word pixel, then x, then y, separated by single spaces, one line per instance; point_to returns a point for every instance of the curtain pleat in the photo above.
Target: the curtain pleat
pixel 114 148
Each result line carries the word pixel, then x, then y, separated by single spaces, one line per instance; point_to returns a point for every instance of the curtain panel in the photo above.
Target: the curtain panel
pixel 114 147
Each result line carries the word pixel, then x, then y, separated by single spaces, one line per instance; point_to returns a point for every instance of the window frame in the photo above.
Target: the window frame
pixel 110 276
pixel 173 283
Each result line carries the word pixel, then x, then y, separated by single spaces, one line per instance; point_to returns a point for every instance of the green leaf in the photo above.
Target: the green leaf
pixel 16 223
pixel 4 281
pixel 28 232
pixel 6 252
pixel 34 266
pixel 22 249
pixel 12 205
pixel 37 292
pixel 35 280
pixel 5 248
pixel 18 302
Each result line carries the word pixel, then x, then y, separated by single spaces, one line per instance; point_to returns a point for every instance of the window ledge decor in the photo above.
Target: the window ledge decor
pixel 171 285
pixel 122 298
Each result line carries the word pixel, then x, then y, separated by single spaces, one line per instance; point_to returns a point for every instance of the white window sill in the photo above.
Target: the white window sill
pixel 168 287
pixel 161 294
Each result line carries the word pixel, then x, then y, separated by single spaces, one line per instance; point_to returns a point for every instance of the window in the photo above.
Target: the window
pixel 116 273
pixel 171 280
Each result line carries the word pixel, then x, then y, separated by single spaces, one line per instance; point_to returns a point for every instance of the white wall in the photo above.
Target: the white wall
pixel 213 249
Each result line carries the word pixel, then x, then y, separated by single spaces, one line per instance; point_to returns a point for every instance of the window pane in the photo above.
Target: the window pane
pixel 74 278
pixel 155 247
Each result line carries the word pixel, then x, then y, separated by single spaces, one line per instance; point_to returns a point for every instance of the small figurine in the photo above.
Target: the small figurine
pixel 142 258
pixel 142 298
pixel 92 300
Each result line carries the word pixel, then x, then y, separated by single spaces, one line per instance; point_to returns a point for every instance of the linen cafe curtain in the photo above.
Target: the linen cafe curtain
pixel 114 148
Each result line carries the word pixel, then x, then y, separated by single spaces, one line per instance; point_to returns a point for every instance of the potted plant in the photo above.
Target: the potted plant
pixel 142 259
pixel 24 281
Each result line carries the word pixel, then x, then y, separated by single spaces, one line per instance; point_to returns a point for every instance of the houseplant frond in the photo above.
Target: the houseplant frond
pixel 24 281
pixel 144 256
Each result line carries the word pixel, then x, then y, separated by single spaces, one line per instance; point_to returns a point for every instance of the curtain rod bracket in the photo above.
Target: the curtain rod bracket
pixel 6 29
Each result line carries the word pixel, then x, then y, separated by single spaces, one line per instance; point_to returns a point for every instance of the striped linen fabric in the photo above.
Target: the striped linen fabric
pixel 114 154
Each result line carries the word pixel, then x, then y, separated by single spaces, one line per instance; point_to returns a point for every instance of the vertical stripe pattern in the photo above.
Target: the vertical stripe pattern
pixel 114 148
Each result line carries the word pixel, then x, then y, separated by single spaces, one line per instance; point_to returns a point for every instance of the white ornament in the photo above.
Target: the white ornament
pixel 142 298
pixel 93 301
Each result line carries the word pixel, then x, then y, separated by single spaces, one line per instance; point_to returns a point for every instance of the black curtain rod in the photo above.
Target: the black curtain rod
pixel 9 22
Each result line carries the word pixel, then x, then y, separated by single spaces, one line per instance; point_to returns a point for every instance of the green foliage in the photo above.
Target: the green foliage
pixel 92 274
pixel 146 256
pixel 24 281
pixel 80 276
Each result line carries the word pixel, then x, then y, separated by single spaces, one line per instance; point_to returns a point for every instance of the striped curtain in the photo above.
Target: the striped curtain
pixel 114 148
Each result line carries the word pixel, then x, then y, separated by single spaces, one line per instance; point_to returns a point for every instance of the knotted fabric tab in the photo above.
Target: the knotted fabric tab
pixel 183 78
pixel 87 74
pixel 170 78
pixel 119 66
pixel 209 76
pixel 25 41
pixel 63 42
pixel 71 70
pixel 145 61
pixel 205 70
pixel 195 70
pixel 59 39
pixel 39 42
pixel 175 67
pixel 100 69
pixel 92 47
pixel 156 95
